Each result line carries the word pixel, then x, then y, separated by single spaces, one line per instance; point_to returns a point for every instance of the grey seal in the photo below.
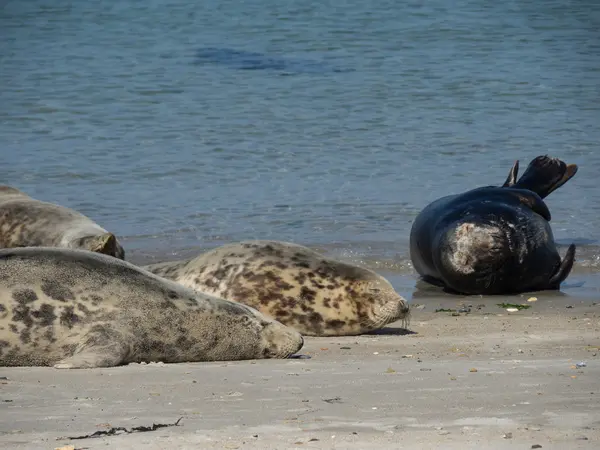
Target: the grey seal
pixel 78 309
pixel 299 287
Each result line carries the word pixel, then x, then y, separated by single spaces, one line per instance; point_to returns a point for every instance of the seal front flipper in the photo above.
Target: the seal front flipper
pixel 545 174
pixel 102 346
pixel 533 202
pixel 512 175
pixel 564 269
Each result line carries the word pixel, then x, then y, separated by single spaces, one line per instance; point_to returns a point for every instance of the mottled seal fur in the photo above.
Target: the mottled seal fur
pixel 78 309
pixel 494 240
pixel 26 222
pixel 315 295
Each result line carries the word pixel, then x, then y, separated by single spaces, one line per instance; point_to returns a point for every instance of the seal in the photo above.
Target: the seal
pixel 71 308
pixel 27 222
pixel 299 287
pixel 494 239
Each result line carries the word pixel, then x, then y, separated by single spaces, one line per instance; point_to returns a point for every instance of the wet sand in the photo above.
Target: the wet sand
pixel 484 379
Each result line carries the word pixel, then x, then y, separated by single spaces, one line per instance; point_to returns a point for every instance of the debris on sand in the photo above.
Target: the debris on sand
pixel 461 309
pixel 122 430
pixel 511 307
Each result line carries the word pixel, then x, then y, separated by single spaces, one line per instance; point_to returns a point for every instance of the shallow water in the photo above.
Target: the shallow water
pixel 183 125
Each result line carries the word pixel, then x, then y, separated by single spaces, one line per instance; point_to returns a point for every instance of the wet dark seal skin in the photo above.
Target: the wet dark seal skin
pixel 299 287
pixel 26 222
pixel 78 309
pixel 494 240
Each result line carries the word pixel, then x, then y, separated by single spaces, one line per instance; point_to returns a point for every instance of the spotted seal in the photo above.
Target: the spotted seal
pixel 494 240
pixel 299 287
pixel 27 222
pixel 77 309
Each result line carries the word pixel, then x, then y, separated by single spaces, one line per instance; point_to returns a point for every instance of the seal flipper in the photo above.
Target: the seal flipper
pixel 545 174
pixel 105 243
pixel 564 269
pixel 512 175
pixel 533 202
pixel 102 346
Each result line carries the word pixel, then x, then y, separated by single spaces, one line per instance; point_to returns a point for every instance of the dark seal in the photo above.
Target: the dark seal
pixel 494 239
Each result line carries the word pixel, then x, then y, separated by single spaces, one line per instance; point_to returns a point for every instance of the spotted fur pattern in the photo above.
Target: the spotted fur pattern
pixel 77 309
pixel 26 222
pixel 299 287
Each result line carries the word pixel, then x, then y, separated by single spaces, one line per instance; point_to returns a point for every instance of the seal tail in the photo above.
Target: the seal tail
pixel 544 175
pixel 564 269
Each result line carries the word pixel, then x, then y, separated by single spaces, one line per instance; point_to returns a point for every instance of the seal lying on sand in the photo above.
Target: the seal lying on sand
pixel 298 287
pixel 494 240
pixel 26 222
pixel 77 309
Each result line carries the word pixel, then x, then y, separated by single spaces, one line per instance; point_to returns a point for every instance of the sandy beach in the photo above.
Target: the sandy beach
pixel 483 379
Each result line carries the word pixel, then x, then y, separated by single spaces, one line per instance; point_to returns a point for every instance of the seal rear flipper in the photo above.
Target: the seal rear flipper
pixel 100 347
pixel 512 175
pixel 105 243
pixel 545 174
pixel 564 269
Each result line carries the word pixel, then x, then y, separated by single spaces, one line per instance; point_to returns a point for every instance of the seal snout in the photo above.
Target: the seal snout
pixel 390 308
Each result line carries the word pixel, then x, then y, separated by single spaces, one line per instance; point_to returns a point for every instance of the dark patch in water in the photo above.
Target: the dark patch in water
pixel 243 60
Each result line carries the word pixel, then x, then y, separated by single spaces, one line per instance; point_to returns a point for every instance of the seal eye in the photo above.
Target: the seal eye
pixel 375 289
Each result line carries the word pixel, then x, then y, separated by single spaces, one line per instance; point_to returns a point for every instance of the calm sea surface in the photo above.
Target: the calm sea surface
pixel 181 125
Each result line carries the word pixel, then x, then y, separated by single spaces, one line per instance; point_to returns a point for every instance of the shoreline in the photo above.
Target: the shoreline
pixel 583 283
pixel 488 379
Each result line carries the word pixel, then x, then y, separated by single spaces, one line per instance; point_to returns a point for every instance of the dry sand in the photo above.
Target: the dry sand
pixel 487 379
